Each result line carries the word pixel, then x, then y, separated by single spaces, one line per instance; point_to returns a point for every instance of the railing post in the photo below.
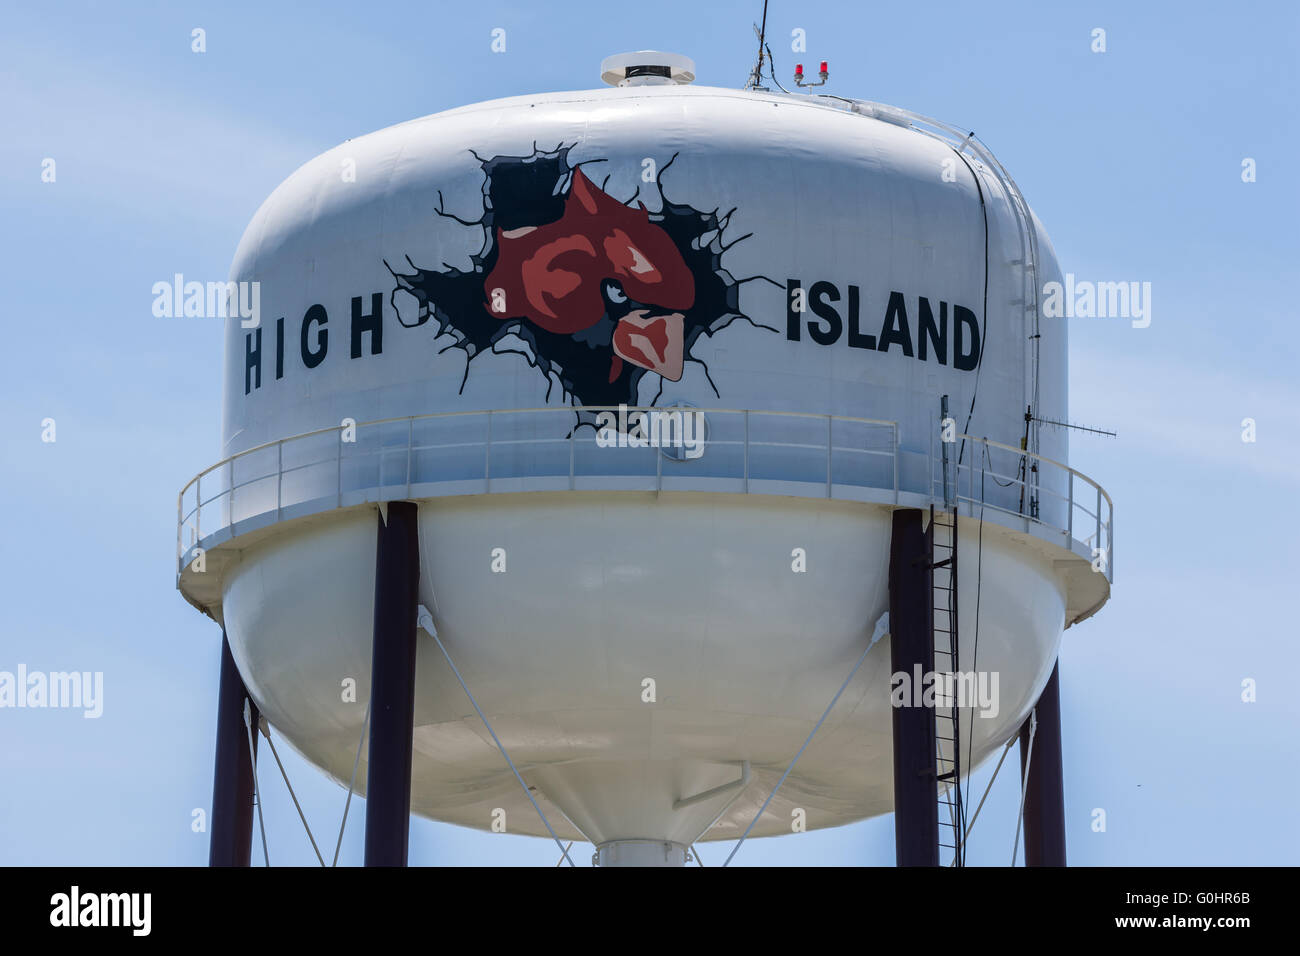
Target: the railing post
pixel 970 475
pixel 230 497
pixel 573 432
pixel 1098 538
pixel 659 465
pixel 487 456
pixel 1069 507
pixel 180 501
pixel 970 480
pixel 279 478
pixel 338 460
pixel 929 464
pixel 410 440
pixel 830 444
pixel 1110 545
pixel 894 432
pixel 747 451
pixel 943 413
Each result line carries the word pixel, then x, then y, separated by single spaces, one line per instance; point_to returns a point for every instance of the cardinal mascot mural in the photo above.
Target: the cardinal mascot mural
pixel 602 291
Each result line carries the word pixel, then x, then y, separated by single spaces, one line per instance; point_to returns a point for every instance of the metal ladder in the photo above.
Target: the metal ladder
pixel 941 542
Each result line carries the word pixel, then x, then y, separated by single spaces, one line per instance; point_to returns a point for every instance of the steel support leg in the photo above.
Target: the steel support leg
pixel 1045 791
pixel 392 687
pixel 911 652
pixel 231 827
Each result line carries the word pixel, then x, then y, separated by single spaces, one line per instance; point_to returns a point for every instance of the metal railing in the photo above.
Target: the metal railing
pixel 560 448
pixel 1052 497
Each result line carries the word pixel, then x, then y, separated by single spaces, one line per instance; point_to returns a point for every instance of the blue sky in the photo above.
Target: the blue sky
pixel 1131 158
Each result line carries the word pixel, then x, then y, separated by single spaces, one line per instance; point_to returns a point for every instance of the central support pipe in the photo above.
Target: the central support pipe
pixel 911 653
pixel 392 686
pixel 644 853
pixel 1045 789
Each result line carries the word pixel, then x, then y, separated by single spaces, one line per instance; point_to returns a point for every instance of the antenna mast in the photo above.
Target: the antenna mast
pixel 756 77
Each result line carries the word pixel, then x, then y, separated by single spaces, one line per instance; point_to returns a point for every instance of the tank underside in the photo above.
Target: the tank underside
pixel 632 651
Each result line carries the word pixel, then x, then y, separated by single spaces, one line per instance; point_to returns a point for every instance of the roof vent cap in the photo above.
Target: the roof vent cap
pixel 647 68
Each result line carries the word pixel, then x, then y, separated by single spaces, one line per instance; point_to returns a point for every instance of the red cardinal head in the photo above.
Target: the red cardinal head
pixel 600 260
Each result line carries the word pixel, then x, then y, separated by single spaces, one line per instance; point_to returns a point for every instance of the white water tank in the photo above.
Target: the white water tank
pixel 448 305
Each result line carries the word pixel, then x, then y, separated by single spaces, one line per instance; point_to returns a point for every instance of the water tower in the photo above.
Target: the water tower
pixel 594 454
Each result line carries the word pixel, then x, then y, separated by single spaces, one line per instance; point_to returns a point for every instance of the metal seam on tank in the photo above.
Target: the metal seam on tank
pixel 916 138
pixel 984 315
pixel 705 92
pixel 387 193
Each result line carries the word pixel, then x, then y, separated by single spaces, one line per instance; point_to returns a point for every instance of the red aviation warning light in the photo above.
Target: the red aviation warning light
pixel 824 72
